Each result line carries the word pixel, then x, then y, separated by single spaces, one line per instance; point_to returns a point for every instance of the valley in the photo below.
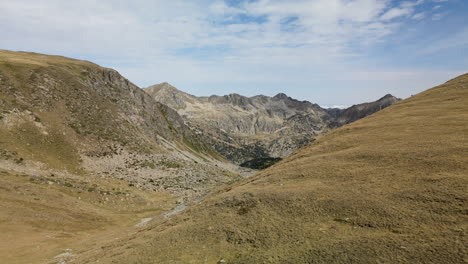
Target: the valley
pixel 390 188
pixel 234 132
pixel 95 169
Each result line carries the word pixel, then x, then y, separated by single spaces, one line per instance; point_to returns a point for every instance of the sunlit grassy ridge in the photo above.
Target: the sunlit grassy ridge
pixel 389 188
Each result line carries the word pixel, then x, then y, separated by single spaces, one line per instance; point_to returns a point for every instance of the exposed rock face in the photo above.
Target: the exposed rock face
pixel 74 115
pixel 235 113
pixel 247 128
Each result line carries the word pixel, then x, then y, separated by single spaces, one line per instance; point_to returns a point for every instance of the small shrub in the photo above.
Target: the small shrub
pixel 148 164
pixel 170 164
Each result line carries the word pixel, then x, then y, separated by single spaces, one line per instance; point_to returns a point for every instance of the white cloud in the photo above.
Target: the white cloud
pixel 396 12
pixel 153 29
pixel 335 106
pixel 419 16
pixel 411 3
pixel 438 16
pixel 405 9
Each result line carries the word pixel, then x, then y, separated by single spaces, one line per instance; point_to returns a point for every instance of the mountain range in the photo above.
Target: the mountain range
pixel 253 130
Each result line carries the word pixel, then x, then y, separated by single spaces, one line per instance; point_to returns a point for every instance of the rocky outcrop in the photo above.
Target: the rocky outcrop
pixel 257 128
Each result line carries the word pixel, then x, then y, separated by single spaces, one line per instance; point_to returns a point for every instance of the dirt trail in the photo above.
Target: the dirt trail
pixel 244 173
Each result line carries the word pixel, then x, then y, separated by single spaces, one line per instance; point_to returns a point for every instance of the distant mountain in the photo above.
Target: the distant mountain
pixel 356 112
pixel 247 130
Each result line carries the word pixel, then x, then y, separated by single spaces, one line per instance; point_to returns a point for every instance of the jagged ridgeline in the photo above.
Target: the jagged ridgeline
pixel 258 131
pixel 56 110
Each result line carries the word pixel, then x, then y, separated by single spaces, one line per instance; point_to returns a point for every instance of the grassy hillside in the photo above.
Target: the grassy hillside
pixel 85 155
pixel 390 188
pixel 43 215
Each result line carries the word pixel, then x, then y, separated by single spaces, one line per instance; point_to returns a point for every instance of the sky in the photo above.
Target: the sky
pixel 330 52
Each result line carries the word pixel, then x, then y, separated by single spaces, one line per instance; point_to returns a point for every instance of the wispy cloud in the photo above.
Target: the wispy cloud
pixel 460 39
pixel 404 9
pixel 419 16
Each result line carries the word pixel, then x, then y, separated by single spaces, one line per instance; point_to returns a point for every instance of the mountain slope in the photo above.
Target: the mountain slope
pixel 75 115
pixel 95 102
pixel 85 155
pixel 389 188
pixel 248 130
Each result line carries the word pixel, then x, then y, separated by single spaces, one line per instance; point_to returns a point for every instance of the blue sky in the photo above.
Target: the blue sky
pixel 331 52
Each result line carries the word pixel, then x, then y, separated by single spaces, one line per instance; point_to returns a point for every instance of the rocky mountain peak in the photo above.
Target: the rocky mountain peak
pixel 168 95
pixel 281 96
pixel 237 99
pixel 165 86
pixel 389 97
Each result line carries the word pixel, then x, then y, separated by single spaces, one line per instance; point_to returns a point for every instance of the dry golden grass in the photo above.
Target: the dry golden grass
pixel 37 59
pixel 41 216
pixel 22 74
pixel 390 188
